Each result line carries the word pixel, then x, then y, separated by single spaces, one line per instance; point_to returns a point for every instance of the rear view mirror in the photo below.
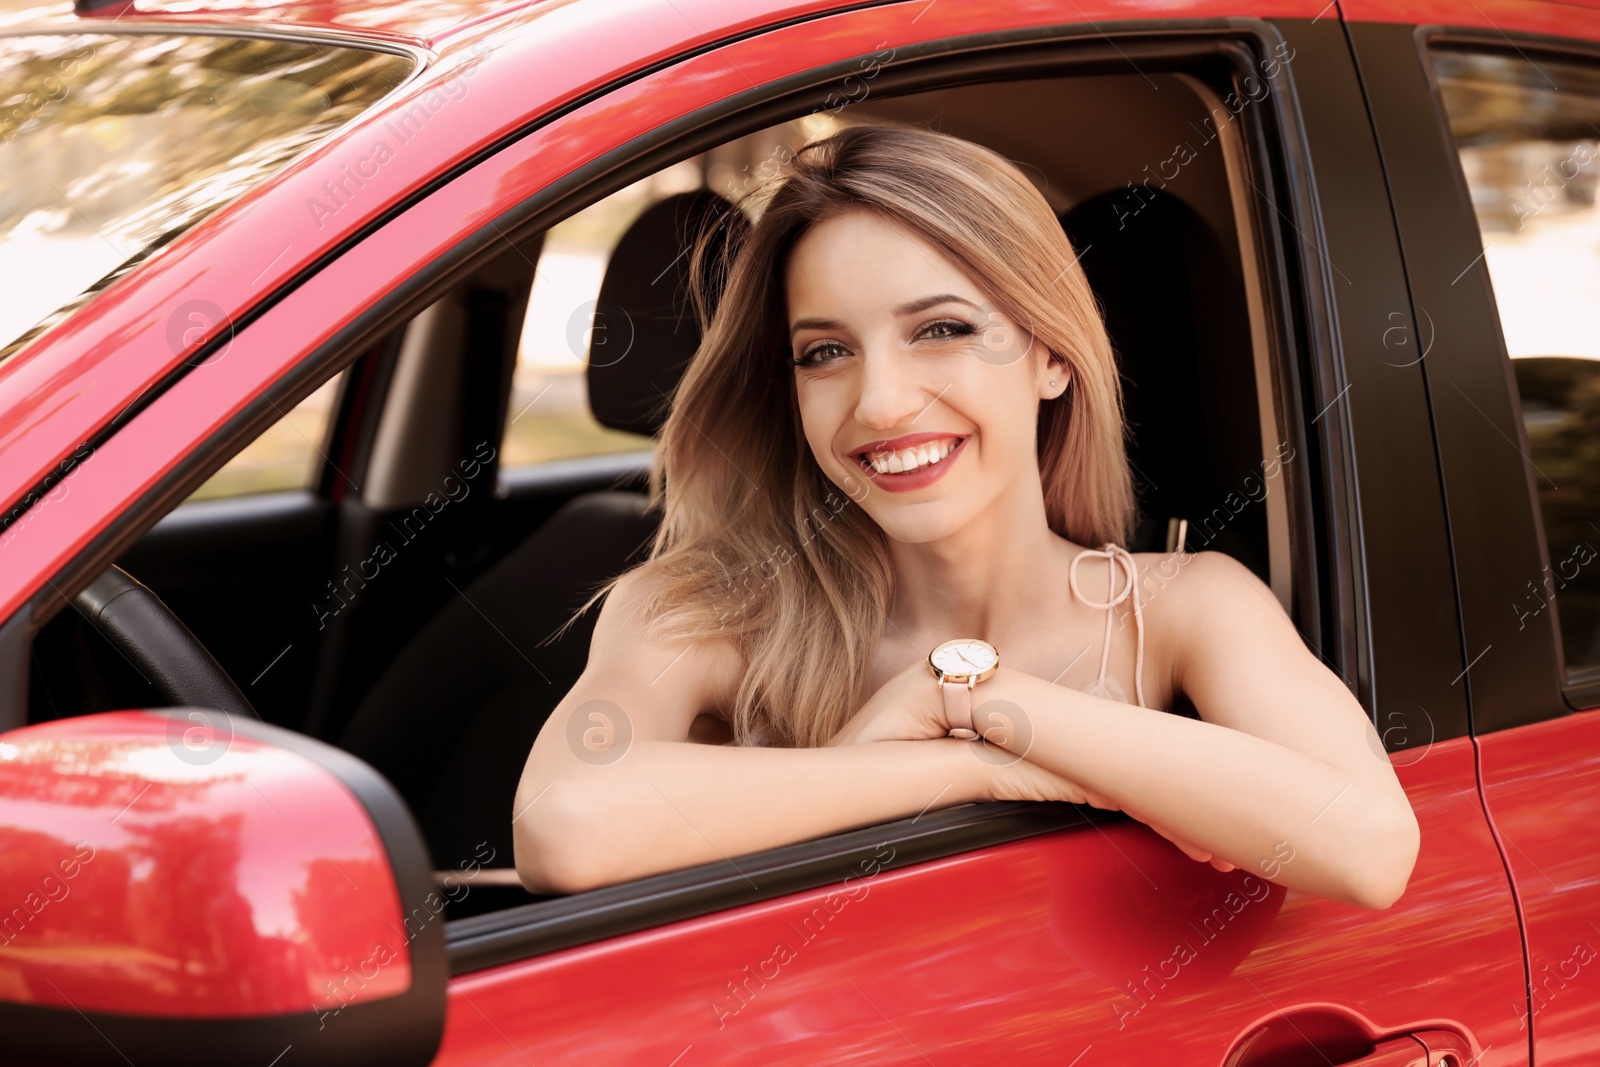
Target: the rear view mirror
pixel 179 886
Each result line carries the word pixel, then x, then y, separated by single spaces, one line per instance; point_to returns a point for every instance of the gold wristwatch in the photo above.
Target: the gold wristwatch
pixel 957 666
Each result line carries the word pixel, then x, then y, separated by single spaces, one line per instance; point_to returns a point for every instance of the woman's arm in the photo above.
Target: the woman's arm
pixel 1283 762
pixel 672 804
pixel 619 793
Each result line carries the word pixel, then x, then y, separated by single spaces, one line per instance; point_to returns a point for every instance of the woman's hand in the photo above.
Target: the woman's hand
pixel 1026 780
pixel 1194 852
pixel 908 707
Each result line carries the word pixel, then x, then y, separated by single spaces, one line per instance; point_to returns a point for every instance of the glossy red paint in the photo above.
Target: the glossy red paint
pixel 1542 784
pixel 1569 18
pixel 1108 938
pixel 154 866
pixel 58 392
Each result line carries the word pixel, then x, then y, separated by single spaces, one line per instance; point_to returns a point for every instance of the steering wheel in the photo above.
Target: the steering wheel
pixel 157 642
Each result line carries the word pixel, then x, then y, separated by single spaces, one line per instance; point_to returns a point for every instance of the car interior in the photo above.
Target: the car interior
pixel 400 604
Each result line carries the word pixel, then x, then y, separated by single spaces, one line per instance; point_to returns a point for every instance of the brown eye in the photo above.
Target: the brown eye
pixel 947 329
pixel 811 357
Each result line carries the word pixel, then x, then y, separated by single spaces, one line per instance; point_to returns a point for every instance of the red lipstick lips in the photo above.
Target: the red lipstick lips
pixel 907 481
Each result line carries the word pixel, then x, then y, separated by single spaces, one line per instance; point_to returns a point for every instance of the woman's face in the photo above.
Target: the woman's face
pixel 893 342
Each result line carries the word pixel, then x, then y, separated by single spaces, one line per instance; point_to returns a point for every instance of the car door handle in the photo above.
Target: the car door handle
pixel 1283 1038
pixel 1404 1051
pixel 1425 1048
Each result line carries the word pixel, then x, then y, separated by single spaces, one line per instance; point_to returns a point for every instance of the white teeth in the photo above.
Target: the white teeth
pixel 910 459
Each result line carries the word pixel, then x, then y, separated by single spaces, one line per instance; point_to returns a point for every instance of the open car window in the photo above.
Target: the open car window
pixel 291 455
pixel 1175 237
pixel 1198 376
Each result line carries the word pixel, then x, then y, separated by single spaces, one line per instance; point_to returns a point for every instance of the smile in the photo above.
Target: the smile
pixel 911 459
pixel 914 467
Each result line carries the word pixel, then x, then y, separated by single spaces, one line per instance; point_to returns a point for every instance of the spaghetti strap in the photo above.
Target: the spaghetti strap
pixel 1119 558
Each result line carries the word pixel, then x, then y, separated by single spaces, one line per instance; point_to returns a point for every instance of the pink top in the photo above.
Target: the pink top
pixel 1120 559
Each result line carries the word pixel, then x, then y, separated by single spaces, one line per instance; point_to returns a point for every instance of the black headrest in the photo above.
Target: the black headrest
pixel 1179 322
pixel 644 328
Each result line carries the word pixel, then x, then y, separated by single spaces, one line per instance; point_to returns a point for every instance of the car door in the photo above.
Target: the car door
pixel 1489 132
pixel 1067 937
pixel 988 933
pixel 1013 933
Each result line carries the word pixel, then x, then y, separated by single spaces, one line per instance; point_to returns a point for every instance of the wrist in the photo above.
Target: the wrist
pixel 962 773
pixel 1002 710
pixel 1007 683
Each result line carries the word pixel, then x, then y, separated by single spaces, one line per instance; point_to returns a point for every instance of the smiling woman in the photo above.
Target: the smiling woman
pixel 906 322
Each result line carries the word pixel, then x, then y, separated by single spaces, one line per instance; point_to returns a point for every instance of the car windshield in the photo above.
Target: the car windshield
pixel 111 146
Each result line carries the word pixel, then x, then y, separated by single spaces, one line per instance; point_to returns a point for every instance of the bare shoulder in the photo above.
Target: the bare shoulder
pixel 623 615
pixel 692 675
pixel 1198 581
pixel 1197 599
pixel 631 686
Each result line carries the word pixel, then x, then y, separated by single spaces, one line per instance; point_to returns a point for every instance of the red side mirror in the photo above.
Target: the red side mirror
pixel 184 887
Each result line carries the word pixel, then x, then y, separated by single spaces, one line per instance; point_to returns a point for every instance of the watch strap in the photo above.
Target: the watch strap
pixel 958 707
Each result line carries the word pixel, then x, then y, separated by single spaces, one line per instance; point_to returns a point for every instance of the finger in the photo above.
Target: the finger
pixel 1193 852
pixel 1200 855
pixel 1099 801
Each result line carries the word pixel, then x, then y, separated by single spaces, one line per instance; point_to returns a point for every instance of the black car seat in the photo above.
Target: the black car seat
pixel 1175 307
pixel 452 718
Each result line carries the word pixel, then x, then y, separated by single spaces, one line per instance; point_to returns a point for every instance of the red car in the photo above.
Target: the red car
pixel 338 332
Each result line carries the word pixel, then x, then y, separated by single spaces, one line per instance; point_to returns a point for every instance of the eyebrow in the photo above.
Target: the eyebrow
pixel 920 304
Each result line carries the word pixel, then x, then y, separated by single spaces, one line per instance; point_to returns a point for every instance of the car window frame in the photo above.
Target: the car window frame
pixel 1273 132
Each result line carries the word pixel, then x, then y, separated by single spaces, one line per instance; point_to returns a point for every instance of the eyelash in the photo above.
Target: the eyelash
pixel 958 329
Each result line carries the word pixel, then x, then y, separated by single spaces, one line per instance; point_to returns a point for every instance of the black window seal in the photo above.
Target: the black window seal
pixel 533 929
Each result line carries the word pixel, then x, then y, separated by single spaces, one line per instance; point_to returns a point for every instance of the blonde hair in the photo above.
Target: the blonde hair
pixel 755 544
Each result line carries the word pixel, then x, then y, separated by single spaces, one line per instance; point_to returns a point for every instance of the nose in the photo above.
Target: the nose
pixel 891 392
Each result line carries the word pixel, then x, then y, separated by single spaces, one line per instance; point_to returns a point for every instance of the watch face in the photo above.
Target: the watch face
pixel 964 657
